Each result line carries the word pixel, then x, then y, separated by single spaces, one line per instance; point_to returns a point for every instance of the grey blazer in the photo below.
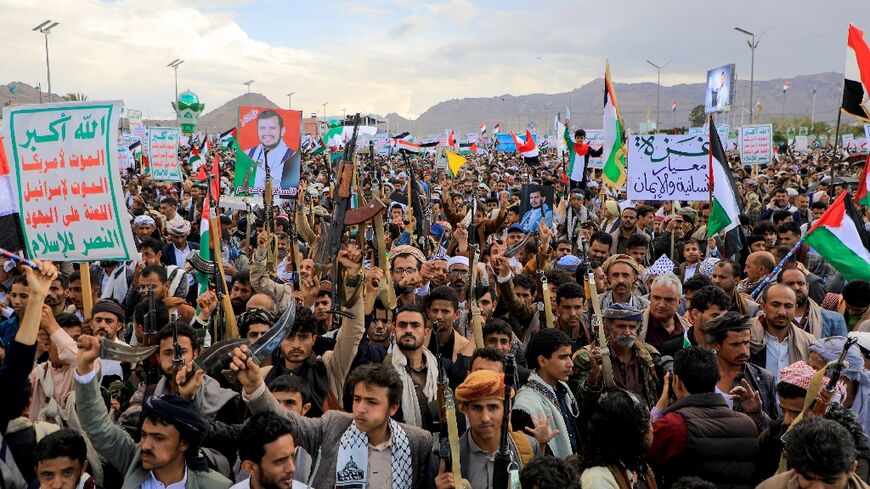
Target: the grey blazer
pixel 322 436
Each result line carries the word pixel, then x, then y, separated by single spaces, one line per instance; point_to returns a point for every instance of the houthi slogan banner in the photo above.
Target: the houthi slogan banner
pixel 271 139
pixel 756 144
pixel 163 153
pixel 63 160
pixel 668 168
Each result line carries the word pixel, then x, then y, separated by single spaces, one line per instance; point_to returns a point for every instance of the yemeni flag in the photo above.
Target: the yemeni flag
pixel 614 152
pixel 725 212
pixel 839 237
pixel 862 197
pixel 856 81
pixel 483 127
pixel 227 138
pixel 204 231
pixel 526 147
pixel 785 86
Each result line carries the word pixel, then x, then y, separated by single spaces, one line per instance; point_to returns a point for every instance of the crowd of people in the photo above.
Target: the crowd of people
pixel 637 354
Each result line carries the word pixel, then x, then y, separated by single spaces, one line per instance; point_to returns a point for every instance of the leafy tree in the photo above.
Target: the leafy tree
pixel 697 117
pixel 75 97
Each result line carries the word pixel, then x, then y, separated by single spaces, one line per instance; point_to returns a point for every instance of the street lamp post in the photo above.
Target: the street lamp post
pixel 344 113
pixel 813 116
pixel 174 65
pixel 248 84
pixel 325 123
pixel 658 88
pixel 290 100
pixel 44 29
pixel 753 43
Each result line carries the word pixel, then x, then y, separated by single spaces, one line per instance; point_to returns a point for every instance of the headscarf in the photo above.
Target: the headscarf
pixel 457 260
pixel 178 227
pixel 111 307
pixel 621 258
pixel 407 250
pixel 829 349
pixel 177 412
pixel 622 311
pixel 481 385
pixel 707 266
pixel 661 266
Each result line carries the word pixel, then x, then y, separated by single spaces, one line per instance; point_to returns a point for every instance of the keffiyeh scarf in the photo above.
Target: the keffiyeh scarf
pixel 351 468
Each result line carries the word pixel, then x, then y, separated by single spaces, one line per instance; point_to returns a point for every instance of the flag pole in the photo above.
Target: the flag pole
pixel 836 142
pixel 773 273
pixel 712 129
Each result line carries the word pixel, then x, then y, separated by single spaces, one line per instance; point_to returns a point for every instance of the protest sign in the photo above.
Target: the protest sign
pixel 849 142
pixel 801 143
pixel 860 145
pixel 696 131
pixel 668 168
pixel 163 153
pixel 63 159
pixel 756 144
pixel 595 138
pixel 268 138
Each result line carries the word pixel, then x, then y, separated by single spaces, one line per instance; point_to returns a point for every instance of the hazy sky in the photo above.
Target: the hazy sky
pixel 402 55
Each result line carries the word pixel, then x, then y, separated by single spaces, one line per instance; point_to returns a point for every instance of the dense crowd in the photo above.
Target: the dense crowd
pixel 637 353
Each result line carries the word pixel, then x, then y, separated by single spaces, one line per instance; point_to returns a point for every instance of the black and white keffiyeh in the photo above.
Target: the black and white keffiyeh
pixel 351 468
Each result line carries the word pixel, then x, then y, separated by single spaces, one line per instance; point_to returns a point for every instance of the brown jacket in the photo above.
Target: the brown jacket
pixel 798 343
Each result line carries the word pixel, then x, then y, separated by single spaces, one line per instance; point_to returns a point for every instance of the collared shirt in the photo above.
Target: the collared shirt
pixel 380 465
pixel 777 355
pixel 480 465
pixel 153 483
pixel 181 255
pixel 627 375
pixel 691 269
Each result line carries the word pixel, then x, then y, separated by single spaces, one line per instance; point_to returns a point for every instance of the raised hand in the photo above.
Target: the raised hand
pixel 88 352
pixel 40 279
pixel 542 431
pixel 247 370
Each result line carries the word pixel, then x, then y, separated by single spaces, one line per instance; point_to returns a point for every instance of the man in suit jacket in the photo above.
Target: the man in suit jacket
pixel 176 252
pixel 353 447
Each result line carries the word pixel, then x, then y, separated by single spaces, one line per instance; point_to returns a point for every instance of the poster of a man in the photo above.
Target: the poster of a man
pixel 719 84
pixel 271 139
pixel 535 201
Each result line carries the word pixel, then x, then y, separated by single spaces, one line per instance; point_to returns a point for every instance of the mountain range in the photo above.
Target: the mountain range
pixel 637 102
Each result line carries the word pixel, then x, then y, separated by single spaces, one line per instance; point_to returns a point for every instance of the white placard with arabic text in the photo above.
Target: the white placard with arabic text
pixel 63 159
pixel 756 144
pixel 668 167
pixel 163 153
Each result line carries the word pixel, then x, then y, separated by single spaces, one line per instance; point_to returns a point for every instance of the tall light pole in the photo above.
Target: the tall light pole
pixel 248 84
pixel 813 116
pixel 344 112
pixel 658 88
pixel 753 43
pixel 174 65
pixel 45 28
pixel 290 100
pixel 325 123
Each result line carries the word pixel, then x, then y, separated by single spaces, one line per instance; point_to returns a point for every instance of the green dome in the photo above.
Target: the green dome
pixel 188 98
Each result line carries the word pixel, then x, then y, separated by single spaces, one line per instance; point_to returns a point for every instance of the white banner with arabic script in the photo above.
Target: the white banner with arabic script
pixel 63 159
pixel 756 144
pixel 668 167
pixel 163 153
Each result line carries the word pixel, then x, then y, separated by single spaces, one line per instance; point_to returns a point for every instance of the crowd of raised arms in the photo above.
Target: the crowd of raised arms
pixel 501 327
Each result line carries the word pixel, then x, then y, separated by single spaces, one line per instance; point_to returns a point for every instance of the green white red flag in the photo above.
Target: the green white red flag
pixel 839 237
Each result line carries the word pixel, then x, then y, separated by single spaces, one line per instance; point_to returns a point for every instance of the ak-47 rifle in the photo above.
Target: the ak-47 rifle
pixel 502 464
pixel 476 321
pixel 149 337
pixel 545 292
pixel 231 329
pixel 269 215
pixel 606 366
pixel 295 254
pixel 386 284
pixel 341 202
pixel 821 403
pixel 448 439
pixel 423 213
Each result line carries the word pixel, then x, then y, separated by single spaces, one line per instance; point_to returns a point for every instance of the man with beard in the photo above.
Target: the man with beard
pixel 107 320
pixel 622 272
pixel 267 452
pixel 405 265
pixel 726 277
pixel 143 228
pixel 325 374
pixel 751 386
pixel 153 277
pixel 627 229
pixel 459 275
pixel 366 448
pixel 538 212
pixel 599 248
pixel 707 303
pixel 152 254
pixel 819 322
pixel 633 361
pixel 58 293
pixel 570 302
pixel 240 292
pixel 373 347
pixel 775 341
pixel 172 429
pixel 660 319
pixel 270 134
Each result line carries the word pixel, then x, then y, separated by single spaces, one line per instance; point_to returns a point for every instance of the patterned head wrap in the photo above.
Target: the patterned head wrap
pixel 481 385
pixel 662 266
pixel 622 259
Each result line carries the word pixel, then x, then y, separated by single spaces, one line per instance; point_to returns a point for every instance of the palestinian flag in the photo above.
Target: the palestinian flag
pixel 839 237
pixel 136 150
pixel 725 212
pixel 407 146
pixel 856 81
pixel 244 163
pixel 204 231
pixel 483 127
pixel 614 152
pixel 194 159
pixel 227 138
pixel 861 195
pixel 467 148
pixel 146 165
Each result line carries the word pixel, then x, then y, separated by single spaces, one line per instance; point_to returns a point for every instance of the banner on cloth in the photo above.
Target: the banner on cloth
pixel 63 160
pixel 595 138
pixel 163 153
pixel 801 143
pixel 274 135
pixel 664 167
pixel 756 144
